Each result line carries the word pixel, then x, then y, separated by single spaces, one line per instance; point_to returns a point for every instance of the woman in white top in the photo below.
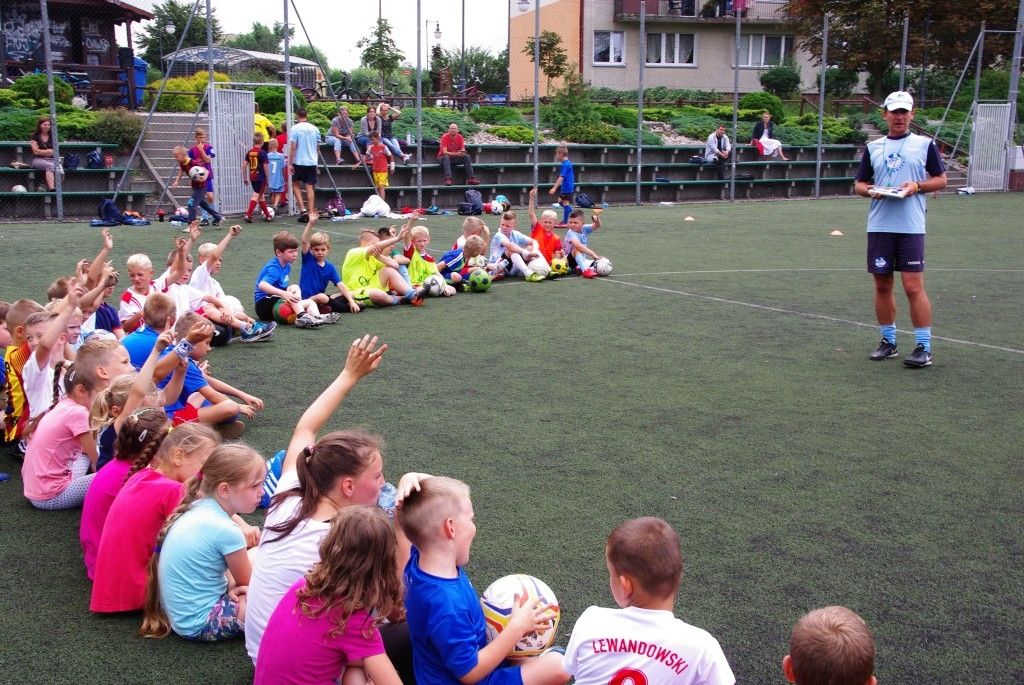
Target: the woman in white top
pixel 318 478
pixel 763 138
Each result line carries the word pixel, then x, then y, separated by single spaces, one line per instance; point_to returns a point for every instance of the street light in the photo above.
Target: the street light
pixel 168 28
pixel 524 5
pixel 462 86
pixel 437 36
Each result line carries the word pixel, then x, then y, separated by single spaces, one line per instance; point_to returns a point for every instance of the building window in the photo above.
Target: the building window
pixel 608 47
pixel 765 51
pixel 670 48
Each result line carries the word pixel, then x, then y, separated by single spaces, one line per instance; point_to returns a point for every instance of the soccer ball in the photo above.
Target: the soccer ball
pixel 221 335
pixel 479 281
pixel 479 261
pixel 559 267
pixel 502 199
pixel 19 189
pixel 283 312
pixel 539 266
pixel 497 602
pixel 435 285
pixel 80 102
pixel 603 267
pixel 198 173
pixel 498 207
pixel 270 213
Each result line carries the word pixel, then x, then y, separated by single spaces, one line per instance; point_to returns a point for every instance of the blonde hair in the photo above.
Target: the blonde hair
pixel 320 238
pixel 508 216
pixel 233 464
pixel 139 261
pixel 418 231
pixel 115 396
pixel 423 512
pixel 474 246
pixel 189 437
pixel 474 224
pixel 200 131
pixel 205 249
pixel 549 214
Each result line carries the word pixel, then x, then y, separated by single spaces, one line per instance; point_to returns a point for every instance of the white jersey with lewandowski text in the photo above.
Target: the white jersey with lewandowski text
pixel 635 646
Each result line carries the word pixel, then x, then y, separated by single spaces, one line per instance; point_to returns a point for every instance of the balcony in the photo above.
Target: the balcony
pixel 685 11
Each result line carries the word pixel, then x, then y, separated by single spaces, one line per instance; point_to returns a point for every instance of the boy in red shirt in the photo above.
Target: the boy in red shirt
pixel 383 162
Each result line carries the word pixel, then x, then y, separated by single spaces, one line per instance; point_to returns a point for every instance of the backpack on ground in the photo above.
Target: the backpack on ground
pixel 473 203
pixel 71 161
pixel 583 201
pixel 94 160
pixel 110 215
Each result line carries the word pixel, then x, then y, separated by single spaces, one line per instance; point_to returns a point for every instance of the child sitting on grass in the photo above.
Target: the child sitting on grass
pixel 543 231
pixel 318 273
pixel 200 568
pixel 457 264
pixel 151 492
pixel 511 251
pixel 274 284
pixel 16 354
pixel 446 622
pixel 222 308
pixel 421 264
pixel 472 225
pixel 645 563
pixel 371 275
pixel 830 646
pixel 329 620
pixel 576 243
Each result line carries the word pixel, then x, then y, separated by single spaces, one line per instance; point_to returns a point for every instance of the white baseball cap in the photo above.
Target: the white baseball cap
pixel 899 100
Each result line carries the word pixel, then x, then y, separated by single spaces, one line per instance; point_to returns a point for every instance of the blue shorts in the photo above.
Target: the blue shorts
pixel 209 183
pixel 221 624
pixel 888 252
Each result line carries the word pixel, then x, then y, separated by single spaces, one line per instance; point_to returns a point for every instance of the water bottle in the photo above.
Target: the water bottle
pixel 160 215
pixel 408 138
pixel 386 501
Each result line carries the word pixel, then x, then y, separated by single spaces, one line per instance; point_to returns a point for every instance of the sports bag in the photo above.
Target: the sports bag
pixel 583 201
pixel 94 160
pixel 71 161
pixel 109 213
pixel 698 159
pixel 475 200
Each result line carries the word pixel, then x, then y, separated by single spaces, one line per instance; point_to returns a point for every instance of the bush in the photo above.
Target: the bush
pixel 435 123
pixel 782 81
pixel 271 99
pixel 616 116
pixel 517 134
pixel 34 87
pixel 890 82
pixel 497 115
pixel 696 126
pixel 627 136
pixel 595 133
pixel 116 126
pixel 170 102
pixel 77 124
pixel 840 83
pixel 8 97
pixel 762 102
pixel 656 94
pixel 20 123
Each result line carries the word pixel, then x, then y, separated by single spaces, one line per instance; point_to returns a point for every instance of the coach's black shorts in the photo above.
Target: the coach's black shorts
pixel 888 252
pixel 304 174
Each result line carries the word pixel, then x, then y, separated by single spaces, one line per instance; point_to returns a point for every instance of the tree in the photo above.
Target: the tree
pixel 312 53
pixel 553 60
pixel 492 71
pixel 176 14
pixel 380 52
pixel 261 38
pixel 868 36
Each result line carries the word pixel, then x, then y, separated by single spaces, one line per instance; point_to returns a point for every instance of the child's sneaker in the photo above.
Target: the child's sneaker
pixel 247 219
pixel 329 317
pixel 589 273
pixel 534 278
pixel 260 331
pixel 304 320
pixel 415 297
pixel 231 430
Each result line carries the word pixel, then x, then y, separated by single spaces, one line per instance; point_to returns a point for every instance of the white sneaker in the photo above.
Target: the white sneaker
pixel 304 320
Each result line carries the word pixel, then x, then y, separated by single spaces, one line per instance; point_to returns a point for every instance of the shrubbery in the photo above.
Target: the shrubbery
pixel 8 97
pixel 497 115
pixel 187 84
pixel 116 126
pixel 271 99
pixel 627 136
pixel 34 87
pixel 517 134
pixel 594 133
pixel 764 101
pixel 783 80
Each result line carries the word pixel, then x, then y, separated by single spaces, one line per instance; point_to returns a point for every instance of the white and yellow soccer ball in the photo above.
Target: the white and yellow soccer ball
pixel 603 267
pixel 497 602
pixel 559 267
pixel 539 266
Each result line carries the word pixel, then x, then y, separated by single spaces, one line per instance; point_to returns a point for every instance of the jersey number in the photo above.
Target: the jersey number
pixel 628 675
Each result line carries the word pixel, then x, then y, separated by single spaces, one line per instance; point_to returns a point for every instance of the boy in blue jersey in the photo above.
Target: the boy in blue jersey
pixel 576 244
pixel 274 284
pixel 276 162
pixel 565 186
pixel 910 164
pixel 446 621
pixel 457 264
pixel 318 273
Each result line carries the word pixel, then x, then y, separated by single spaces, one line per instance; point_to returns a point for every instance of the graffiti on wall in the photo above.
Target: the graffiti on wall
pixel 92 39
pixel 23 34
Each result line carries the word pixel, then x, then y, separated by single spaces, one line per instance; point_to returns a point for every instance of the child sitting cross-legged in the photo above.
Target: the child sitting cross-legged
pixel 421 264
pixel 200 568
pixel 576 243
pixel 446 621
pixel 274 285
pixel 457 264
pixel 318 273
pixel 645 563
pixel 371 276
pixel 328 621
pixel 219 307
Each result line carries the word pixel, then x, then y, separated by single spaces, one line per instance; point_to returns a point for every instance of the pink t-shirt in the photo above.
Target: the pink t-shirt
pixel 101 493
pixel 126 546
pixel 53 446
pixel 297 649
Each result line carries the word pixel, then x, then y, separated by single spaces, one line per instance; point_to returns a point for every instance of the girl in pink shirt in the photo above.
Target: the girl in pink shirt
pixel 327 622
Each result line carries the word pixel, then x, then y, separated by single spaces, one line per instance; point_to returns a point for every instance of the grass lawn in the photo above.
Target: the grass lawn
pixel 718 379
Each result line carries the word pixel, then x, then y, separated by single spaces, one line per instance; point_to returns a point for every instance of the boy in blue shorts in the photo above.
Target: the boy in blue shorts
pixel 576 245
pixel 275 172
pixel 274 284
pixel 565 185
pixel 446 622
pixel 318 273
pixel 198 198
pixel 254 170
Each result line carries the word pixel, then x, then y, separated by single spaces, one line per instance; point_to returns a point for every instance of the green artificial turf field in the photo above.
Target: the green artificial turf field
pixel 718 379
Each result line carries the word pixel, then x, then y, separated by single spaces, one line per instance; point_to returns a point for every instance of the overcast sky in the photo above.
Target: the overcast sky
pixel 335 27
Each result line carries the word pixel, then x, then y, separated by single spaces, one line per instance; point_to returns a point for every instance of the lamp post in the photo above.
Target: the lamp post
pixel 167 28
pixel 462 78
pixel 437 36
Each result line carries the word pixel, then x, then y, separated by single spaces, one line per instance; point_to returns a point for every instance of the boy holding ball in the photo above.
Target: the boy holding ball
pixel 645 563
pixel 446 621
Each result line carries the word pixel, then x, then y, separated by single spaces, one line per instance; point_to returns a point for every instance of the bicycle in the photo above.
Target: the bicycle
pixel 399 100
pixel 471 95
pixel 339 90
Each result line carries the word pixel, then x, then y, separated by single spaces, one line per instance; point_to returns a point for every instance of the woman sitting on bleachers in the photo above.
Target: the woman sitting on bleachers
pixel 42 151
